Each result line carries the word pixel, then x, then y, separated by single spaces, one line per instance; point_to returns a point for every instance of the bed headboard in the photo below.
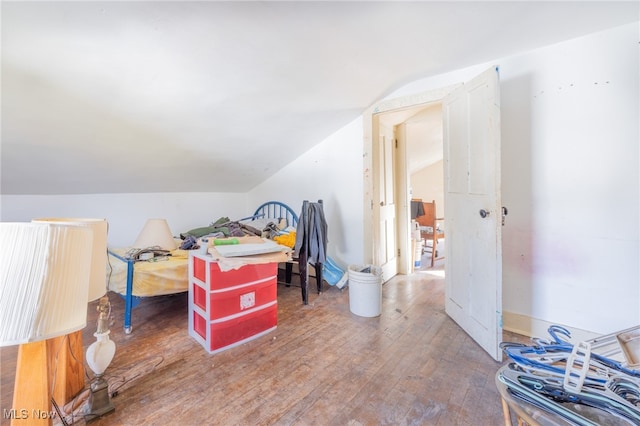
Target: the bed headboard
pixel 277 210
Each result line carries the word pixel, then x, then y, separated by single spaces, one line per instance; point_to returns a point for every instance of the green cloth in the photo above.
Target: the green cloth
pixel 206 230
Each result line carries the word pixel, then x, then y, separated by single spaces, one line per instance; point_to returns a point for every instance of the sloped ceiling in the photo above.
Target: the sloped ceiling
pixel 111 97
pixel 424 147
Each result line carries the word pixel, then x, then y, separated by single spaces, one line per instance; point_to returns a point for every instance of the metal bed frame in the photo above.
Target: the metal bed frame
pixel 277 210
pixel 130 301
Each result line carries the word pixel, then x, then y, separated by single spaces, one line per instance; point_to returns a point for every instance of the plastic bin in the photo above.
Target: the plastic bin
pixel 417 254
pixel 365 290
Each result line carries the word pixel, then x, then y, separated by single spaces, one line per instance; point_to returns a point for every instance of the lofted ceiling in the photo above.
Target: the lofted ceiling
pixel 158 96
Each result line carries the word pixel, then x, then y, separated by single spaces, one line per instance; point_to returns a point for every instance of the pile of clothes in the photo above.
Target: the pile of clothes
pixel 225 227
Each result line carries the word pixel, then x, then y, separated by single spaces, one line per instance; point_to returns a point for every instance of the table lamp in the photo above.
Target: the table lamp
pixel 156 232
pixel 44 269
pixel 100 353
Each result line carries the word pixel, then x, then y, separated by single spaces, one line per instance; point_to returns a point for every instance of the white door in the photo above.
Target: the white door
pixel 385 253
pixel 473 278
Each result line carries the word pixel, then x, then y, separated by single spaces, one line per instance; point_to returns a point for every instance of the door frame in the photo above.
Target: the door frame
pixel 371 212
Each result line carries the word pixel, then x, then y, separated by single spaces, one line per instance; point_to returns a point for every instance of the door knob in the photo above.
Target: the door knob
pixel 484 213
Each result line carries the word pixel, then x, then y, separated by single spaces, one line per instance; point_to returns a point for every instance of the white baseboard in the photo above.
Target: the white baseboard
pixel 533 327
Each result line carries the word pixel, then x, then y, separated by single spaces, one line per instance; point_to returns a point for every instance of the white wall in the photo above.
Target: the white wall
pixel 332 172
pixel 570 179
pixel 127 213
pixel 428 184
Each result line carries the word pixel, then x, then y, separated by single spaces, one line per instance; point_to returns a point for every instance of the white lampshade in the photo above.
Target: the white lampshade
pixel 156 232
pixel 98 281
pixel 44 269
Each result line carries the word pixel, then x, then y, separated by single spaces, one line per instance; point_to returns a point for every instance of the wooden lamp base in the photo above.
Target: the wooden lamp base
pixel 46 369
pixel 32 389
pixel 66 363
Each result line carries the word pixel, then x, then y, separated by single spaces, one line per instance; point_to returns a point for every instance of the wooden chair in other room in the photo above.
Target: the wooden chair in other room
pixel 429 219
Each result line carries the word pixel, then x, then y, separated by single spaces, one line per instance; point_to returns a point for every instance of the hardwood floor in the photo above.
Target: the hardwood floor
pixel 323 365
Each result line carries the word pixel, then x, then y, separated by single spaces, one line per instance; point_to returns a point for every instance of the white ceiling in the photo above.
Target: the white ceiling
pixel 110 97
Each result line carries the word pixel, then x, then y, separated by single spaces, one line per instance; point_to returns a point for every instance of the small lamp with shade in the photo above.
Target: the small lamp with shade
pixel 101 352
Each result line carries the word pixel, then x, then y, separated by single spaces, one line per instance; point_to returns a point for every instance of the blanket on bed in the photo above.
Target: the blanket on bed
pixel 163 275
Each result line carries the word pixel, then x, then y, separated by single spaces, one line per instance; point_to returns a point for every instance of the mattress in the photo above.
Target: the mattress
pixel 151 278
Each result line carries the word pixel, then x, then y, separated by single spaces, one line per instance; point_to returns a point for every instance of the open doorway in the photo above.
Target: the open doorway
pixel 390 237
pixel 423 135
pixel 418 174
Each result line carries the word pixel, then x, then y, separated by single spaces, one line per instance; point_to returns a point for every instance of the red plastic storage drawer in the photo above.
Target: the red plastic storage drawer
pixel 234 330
pixel 199 296
pixel 219 279
pixel 242 298
pixel 199 268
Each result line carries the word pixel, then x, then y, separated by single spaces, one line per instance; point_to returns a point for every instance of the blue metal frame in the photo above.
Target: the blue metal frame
pixel 277 210
pixel 130 301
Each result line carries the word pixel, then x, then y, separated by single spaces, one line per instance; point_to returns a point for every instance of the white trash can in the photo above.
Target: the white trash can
pixel 365 290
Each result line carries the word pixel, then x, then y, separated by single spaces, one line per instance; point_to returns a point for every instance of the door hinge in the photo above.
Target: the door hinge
pixel 396 143
pixel 398 252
